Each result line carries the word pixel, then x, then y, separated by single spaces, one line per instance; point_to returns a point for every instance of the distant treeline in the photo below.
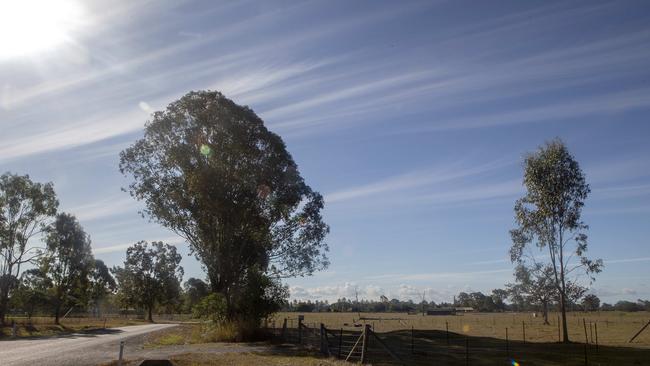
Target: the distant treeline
pixel 475 300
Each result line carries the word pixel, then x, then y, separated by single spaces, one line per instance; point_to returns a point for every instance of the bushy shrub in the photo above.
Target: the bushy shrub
pixel 211 307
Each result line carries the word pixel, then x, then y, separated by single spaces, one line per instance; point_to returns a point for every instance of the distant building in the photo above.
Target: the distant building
pixel 464 309
pixel 442 311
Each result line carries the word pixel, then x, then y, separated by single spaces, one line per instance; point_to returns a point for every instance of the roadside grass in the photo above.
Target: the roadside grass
pixel 179 335
pixel 278 357
pixel 171 339
pixel 271 359
pixel 45 327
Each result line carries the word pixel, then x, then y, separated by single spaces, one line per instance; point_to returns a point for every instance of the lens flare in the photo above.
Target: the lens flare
pixel 514 363
pixel 205 150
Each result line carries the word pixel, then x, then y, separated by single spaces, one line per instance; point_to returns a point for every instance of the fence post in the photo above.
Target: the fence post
pixel 364 344
pixel 584 323
pixel 284 329
pixel 119 360
pixel 340 342
pixel 559 338
pixel 523 327
pixel 447 329
pixel 14 329
pixel 591 332
pixel 507 345
pixel 300 319
pixel 467 351
pixel 639 332
pixel 412 340
pixel 323 340
pixel 596 331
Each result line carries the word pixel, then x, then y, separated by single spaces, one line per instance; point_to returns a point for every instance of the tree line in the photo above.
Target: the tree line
pixel 498 301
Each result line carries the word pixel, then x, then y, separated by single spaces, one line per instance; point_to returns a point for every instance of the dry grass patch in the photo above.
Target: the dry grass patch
pixel 614 328
pixel 236 359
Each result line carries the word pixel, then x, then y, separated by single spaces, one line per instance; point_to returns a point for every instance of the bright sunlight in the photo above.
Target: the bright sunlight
pixel 31 26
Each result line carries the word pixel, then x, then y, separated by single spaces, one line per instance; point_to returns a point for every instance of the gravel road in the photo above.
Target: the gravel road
pixel 76 349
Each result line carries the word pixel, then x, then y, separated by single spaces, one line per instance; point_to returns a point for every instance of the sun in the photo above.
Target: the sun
pixel 32 26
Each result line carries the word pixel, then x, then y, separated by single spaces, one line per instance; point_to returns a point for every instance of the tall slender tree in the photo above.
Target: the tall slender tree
pixel 25 210
pixel 549 219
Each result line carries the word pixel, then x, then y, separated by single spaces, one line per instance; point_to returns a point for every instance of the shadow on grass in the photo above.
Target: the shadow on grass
pixel 426 347
pixel 433 347
pixel 59 332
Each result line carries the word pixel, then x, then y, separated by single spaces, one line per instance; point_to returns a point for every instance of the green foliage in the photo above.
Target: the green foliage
pixel 67 262
pixel 151 276
pixel 209 170
pixel 476 300
pixel 212 307
pixel 195 290
pixel 31 295
pixel 263 296
pixel 590 302
pixel 534 284
pixel 102 282
pixel 548 217
pixel 25 208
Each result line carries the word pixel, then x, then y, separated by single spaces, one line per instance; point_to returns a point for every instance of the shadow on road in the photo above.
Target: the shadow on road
pixel 66 333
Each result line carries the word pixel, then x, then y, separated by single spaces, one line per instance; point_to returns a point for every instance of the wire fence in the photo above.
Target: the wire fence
pixel 436 347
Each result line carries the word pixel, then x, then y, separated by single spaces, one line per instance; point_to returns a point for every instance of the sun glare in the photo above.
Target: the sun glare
pixel 32 26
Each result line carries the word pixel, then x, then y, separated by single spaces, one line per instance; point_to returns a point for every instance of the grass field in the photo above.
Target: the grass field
pixel 479 339
pixel 614 328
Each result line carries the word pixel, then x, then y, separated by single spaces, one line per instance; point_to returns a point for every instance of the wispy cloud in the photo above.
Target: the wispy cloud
pixel 72 135
pixel 407 181
pixel 111 206
pixel 433 276
pixel 627 260
pixel 559 111
pixel 174 240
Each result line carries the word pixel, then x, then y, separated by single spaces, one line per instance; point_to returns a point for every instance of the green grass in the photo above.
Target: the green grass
pixel 171 339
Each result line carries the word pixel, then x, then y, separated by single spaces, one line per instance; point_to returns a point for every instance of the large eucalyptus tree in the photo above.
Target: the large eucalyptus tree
pixel 209 170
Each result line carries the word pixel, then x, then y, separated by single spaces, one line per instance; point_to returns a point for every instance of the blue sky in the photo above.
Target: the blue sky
pixel 411 118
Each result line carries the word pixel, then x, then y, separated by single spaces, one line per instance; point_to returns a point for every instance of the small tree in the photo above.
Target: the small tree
pixel 548 217
pixel 150 275
pixel 31 295
pixel 102 284
pixel 499 297
pixel 67 262
pixel 25 208
pixel 590 302
pixel 195 290
pixel 536 285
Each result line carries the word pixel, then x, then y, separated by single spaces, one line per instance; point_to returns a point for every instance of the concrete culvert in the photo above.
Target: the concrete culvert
pixel 157 363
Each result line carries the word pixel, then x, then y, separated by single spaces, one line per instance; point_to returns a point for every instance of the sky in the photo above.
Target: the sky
pixel 412 118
